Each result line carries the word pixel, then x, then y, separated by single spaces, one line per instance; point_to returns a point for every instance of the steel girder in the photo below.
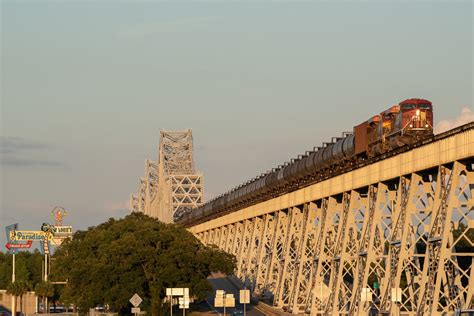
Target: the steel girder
pixel 414 233
pixel 171 186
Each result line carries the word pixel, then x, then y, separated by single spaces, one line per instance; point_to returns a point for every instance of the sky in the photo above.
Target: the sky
pixel 86 87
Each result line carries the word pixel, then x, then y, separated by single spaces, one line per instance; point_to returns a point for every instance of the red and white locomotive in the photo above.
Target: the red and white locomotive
pixel 406 123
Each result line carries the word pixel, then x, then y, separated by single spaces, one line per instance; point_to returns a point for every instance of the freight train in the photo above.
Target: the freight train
pixel 401 125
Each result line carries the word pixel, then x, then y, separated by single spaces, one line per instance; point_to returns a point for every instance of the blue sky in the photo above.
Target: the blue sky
pixel 86 87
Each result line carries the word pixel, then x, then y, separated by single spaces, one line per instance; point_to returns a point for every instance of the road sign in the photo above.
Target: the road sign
pixel 19 246
pixel 229 301
pixel 224 299
pixel 396 294
pixel 244 296
pixel 219 302
pixel 135 310
pixel 366 295
pixel 8 230
pixel 184 302
pixel 136 300
pixel 177 291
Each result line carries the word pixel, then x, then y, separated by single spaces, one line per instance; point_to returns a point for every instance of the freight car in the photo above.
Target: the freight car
pixel 403 124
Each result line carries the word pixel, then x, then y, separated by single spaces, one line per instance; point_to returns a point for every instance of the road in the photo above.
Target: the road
pixel 219 282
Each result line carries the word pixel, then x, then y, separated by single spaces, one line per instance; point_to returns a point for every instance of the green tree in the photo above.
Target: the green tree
pixel 138 254
pixel 28 268
pixel 44 290
pixel 18 289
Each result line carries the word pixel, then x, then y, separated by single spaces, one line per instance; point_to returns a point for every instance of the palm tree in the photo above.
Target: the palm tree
pixel 18 289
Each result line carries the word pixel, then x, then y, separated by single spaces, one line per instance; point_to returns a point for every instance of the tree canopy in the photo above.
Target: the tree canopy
pixel 107 264
pixel 28 268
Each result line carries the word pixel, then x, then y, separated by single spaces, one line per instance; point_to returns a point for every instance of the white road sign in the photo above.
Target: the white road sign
pixel 223 298
pixel 136 300
pixel 184 302
pixel 135 310
pixel 219 302
pixel 396 294
pixel 177 291
pixel 229 302
pixel 366 295
pixel 244 296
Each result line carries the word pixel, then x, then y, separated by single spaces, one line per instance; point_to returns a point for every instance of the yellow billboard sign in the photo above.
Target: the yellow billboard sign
pixel 25 235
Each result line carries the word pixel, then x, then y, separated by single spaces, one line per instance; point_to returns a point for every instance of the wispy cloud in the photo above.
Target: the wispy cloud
pixel 22 162
pixel 11 144
pixel 13 151
pixel 466 116
pixel 160 26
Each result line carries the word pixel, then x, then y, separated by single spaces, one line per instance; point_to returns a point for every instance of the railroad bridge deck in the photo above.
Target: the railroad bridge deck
pixel 396 235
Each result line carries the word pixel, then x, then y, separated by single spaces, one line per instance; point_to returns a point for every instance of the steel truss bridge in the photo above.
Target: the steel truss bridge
pixel 400 230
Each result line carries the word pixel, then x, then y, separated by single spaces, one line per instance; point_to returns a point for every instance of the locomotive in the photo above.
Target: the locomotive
pixel 403 124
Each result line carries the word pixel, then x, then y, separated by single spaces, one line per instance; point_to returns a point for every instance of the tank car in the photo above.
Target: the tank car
pixel 403 124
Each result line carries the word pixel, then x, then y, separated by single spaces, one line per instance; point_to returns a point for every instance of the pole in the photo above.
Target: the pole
pixel 245 300
pixel 225 296
pixel 13 271
pixel 46 280
pixel 171 305
pixel 13 281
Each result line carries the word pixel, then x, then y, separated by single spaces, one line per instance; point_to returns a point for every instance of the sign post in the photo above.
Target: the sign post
pixel 184 304
pixel 366 295
pixel 13 251
pixel 224 299
pixel 397 297
pixel 170 292
pixel 244 298
pixel 136 300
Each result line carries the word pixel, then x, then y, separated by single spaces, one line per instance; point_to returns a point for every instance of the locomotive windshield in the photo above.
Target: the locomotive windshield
pixel 424 106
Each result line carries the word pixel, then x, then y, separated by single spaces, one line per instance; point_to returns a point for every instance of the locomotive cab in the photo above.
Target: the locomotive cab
pixel 416 119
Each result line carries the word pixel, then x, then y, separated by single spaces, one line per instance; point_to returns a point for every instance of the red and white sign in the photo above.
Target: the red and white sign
pixel 19 246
